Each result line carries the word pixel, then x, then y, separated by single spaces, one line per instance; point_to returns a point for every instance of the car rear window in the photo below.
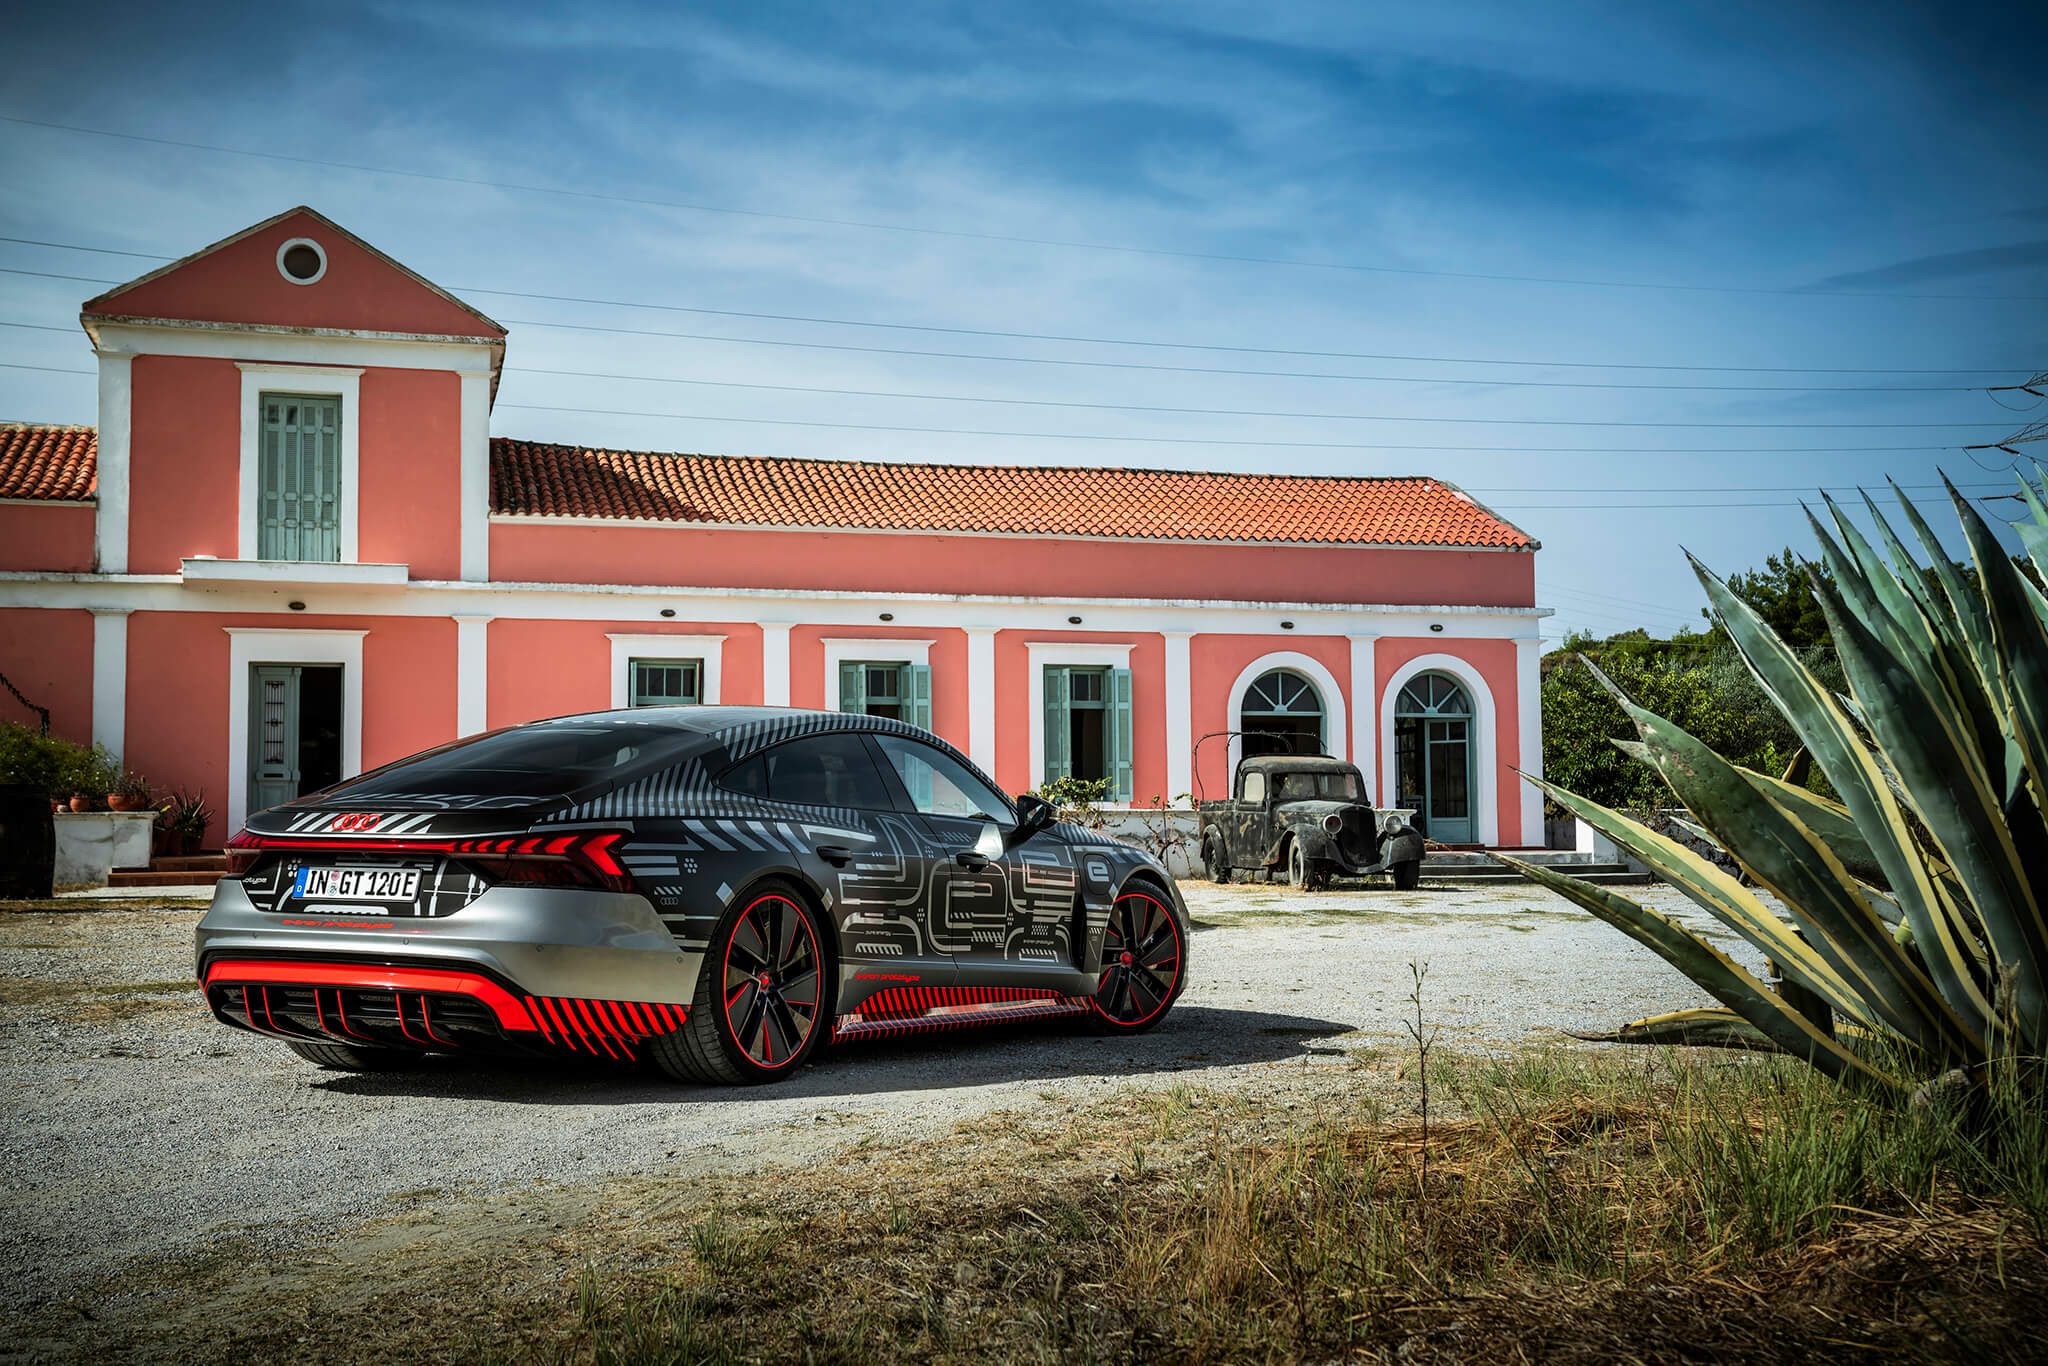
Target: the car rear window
pixel 553 759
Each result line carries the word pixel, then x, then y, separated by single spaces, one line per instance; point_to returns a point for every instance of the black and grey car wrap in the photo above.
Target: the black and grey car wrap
pixel 919 937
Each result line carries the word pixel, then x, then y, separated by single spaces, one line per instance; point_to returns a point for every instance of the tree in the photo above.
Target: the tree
pixel 1781 594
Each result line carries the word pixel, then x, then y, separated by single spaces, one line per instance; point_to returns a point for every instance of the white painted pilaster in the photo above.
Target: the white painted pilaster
pixel 981 697
pixel 117 407
pixel 110 678
pixel 775 664
pixel 476 475
pixel 472 674
pixel 1529 721
pixel 1180 719
pixel 1364 713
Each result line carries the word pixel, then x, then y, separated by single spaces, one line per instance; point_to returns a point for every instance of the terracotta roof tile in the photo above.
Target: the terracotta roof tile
pixel 56 464
pixel 543 480
pixel 48 463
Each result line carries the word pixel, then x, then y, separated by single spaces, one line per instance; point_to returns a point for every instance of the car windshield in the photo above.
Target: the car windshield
pixel 551 759
pixel 1329 787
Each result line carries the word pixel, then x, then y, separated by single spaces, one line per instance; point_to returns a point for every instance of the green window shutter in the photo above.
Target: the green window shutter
pixel 298 493
pixel 1059 762
pixel 1119 732
pixel 853 687
pixel 920 690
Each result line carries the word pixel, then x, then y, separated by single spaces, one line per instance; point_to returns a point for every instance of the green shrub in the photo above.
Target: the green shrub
pixel 51 761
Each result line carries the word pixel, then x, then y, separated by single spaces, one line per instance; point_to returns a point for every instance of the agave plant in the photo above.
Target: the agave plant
pixel 1916 906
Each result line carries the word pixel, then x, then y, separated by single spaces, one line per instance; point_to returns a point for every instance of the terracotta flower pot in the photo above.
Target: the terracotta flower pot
pixel 117 802
pixel 81 803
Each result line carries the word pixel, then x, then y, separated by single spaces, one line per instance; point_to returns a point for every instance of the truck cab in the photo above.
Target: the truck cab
pixel 1310 815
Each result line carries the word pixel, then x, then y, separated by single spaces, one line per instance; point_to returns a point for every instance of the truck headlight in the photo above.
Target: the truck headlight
pixel 1333 823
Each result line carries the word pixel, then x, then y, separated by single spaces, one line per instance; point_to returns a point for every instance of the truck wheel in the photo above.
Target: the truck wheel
pixel 1407 876
pixel 1303 872
pixel 1213 863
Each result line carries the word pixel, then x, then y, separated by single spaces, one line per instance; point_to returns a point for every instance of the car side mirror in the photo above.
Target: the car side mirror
pixel 1034 814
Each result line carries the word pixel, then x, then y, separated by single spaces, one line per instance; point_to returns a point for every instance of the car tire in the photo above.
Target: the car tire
pixel 1408 875
pixel 1213 861
pixel 342 1057
pixel 764 967
pixel 1144 963
pixel 1304 873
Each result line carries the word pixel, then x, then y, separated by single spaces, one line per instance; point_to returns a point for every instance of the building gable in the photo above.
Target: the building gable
pixel 241 281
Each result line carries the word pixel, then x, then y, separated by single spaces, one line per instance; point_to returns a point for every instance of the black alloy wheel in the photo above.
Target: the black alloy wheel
pixel 1142 959
pixel 760 1007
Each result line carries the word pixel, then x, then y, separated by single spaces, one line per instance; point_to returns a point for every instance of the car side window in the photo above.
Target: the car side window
pixel 1254 787
pixel 825 770
pixel 939 784
pixel 749 778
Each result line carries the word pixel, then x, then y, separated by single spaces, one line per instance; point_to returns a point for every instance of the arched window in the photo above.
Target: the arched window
pixel 1283 714
pixel 1433 756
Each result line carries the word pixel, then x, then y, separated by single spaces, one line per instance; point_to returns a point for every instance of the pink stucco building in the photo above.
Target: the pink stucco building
pixel 291 549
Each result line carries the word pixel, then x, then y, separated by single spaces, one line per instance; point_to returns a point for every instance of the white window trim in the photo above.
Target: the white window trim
pixel 325 381
pixel 249 645
pixel 626 649
pixel 1079 654
pixel 1485 736
pixel 1336 735
pixel 877 650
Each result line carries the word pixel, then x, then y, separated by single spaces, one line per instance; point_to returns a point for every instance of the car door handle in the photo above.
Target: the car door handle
pixel 838 855
pixel 970 860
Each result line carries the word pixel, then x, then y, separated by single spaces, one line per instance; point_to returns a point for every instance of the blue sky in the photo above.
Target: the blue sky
pixel 1811 187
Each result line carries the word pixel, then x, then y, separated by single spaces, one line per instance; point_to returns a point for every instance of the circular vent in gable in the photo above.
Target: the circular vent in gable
pixel 301 261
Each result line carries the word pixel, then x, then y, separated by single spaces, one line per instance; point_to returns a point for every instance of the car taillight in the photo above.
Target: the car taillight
pixel 582 859
pixel 243 851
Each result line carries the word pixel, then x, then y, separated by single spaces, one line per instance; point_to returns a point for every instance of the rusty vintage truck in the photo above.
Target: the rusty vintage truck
pixel 1308 815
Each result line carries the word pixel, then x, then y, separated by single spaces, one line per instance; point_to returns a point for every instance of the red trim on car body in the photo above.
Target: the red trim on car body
pixel 511 1014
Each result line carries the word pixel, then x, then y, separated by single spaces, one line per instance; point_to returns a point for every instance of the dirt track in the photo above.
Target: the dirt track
pixel 136 1128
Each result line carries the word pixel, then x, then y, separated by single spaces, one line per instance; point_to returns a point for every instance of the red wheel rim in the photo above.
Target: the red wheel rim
pixel 1140 960
pixel 771 982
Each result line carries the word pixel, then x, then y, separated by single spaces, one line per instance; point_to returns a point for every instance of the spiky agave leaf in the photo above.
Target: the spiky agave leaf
pixel 1927 742
pixel 1865 785
pixel 1703 1028
pixel 1787 859
pixel 1721 896
pixel 1719 975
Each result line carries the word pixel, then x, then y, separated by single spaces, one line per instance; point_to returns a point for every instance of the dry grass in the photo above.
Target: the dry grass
pixel 1570 1209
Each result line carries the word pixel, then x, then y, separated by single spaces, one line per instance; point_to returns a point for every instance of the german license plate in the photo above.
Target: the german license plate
pixel 357 884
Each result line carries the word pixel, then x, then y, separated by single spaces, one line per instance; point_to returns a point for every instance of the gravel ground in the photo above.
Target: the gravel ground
pixel 136 1128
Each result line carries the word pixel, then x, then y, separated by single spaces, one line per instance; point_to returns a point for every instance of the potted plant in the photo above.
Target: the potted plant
pixel 131 792
pixel 183 817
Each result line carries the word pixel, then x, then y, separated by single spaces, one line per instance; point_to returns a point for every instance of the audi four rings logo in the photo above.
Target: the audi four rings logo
pixel 356 820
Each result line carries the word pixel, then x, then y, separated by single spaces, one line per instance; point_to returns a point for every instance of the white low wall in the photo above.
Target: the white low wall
pixel 91 844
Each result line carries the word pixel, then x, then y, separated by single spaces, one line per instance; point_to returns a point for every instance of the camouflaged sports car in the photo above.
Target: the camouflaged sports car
pixel 717 890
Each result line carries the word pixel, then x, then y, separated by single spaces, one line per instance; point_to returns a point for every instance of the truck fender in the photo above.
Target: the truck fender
pixel 1402 846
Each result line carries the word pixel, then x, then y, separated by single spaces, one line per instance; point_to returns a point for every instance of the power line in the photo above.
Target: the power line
pixel 1162 345
pixel 977 355
pixel 1180 441
pixel 1015 239
pixel 1355 417
pixel 1375 379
